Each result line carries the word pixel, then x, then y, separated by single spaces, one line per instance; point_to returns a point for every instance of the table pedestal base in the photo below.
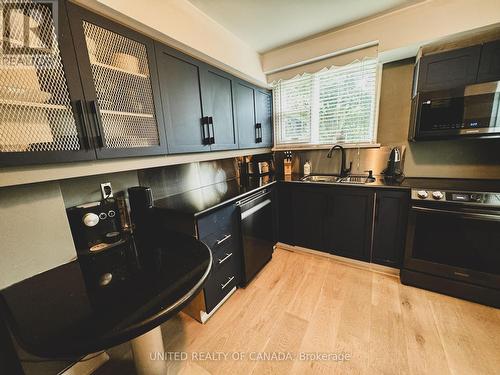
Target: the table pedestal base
pixel 148 353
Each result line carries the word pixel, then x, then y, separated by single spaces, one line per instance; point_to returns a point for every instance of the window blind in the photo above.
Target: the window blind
pixel 334 105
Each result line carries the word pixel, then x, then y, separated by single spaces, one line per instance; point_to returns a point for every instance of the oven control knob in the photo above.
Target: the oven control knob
pixel 90 219
pixel 437 195
pixel 422 194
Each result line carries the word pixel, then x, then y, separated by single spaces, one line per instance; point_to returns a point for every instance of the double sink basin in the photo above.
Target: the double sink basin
pixel 350 179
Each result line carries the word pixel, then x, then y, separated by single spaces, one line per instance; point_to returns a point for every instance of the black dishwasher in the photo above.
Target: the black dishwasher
pixel 257 232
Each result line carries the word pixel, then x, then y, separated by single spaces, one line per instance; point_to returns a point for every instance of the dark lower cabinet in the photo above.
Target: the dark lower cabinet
pixel 348 222
pixel 220 230
pixel 309 211
pixel 284 213
pixel 391 216
pixel 355 222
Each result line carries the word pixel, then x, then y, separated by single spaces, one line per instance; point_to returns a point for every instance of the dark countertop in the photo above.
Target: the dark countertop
pixel 414 183
pixel 200 201
pixel 64 312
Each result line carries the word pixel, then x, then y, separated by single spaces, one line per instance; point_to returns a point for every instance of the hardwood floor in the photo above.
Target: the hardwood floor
pixel 303 303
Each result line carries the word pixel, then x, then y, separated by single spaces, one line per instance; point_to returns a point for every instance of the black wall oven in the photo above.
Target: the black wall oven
pixel 453 244
pixel 470 111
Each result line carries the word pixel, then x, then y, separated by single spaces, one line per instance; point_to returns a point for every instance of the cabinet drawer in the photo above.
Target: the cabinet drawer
pixel 216 241
pixel 221 222
pixel 226 255
pixel 222 280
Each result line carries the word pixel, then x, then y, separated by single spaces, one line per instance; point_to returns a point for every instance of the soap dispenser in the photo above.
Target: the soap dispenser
pixel 307 168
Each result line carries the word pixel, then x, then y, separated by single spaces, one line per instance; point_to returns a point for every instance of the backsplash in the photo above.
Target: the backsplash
pixel 176 179
pixel 362 159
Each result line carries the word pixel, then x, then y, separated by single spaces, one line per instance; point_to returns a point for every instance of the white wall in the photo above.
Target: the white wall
pixel 182 25
pixel 34 231
pixel 399 33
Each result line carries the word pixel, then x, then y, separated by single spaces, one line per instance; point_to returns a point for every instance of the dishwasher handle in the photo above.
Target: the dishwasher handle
pixel 252 197
pixel 254 209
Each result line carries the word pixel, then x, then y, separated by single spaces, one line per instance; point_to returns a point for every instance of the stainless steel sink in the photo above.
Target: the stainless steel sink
pixel 321 178
pixel 351 179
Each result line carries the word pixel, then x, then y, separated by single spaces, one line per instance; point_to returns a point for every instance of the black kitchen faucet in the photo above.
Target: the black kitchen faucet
pixel 343 171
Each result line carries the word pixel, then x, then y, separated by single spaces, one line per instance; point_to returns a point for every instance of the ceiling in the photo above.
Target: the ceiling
pixel 267 24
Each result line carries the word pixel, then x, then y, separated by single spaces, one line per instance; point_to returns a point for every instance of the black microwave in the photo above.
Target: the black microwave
pixel 468 112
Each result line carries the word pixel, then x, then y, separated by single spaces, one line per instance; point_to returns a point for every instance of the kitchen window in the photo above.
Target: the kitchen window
pixel 335 105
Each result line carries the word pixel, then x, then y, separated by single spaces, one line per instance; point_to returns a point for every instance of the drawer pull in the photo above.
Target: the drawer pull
pixel 226 237
pixel 227 283
pixel 225 258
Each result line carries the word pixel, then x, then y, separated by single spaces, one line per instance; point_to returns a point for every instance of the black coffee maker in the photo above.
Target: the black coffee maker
pixel 95 226
pixel 393 172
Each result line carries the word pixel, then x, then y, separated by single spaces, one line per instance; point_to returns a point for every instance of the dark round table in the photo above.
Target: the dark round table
pixel 103 300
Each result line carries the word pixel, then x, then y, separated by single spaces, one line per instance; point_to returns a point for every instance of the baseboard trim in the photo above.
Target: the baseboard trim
pixel 204 316
pixel 350 262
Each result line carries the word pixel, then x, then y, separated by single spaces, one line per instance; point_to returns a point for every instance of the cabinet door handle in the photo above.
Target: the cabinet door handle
pixel 211 136
pixel 228 255
pixel 227 282
pixel 204 137
pixel 258 132
pixel 85 134
pixel 225 238
pixel 97 118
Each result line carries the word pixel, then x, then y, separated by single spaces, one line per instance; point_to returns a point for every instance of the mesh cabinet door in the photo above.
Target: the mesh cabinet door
pixel 41 108
pixel 120 82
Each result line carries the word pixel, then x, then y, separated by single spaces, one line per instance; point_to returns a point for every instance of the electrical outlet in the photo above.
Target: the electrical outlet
pixel 106 190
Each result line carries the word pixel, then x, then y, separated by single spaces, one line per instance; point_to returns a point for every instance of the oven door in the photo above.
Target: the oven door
pixel 456 243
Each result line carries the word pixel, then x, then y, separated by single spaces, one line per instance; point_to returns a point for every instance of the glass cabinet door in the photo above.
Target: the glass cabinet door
pixel 41 109
pixel 120 81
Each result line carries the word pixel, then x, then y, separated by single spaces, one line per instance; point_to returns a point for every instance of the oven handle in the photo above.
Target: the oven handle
pixel 468 215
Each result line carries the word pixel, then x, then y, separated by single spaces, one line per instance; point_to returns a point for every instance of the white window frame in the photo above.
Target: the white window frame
pixel 324 146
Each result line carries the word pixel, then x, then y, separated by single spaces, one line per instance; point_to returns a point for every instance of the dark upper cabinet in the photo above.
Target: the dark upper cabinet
pixel 197 103
pixel 309 212
pixel 391 215
pixel 449 69
pixel 217 97
pixel 244 106
pixel 42 116
pixel 181 99
pixel 106 91
pixel 119 77
pixel 263 117
pixel 253 109
pixel 348 222
pixel 489 65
